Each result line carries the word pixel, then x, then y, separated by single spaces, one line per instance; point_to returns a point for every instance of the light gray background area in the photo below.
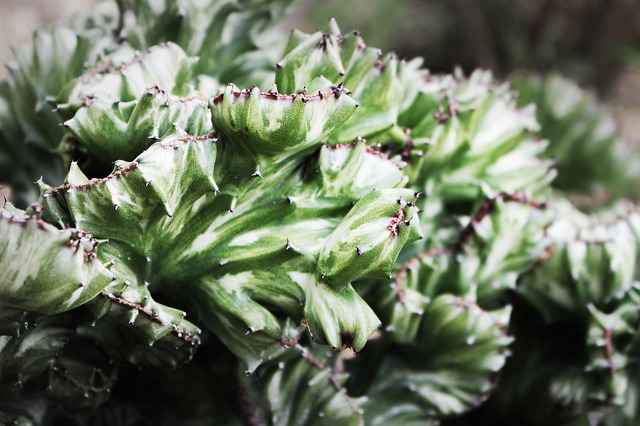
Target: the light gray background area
pixel 18 19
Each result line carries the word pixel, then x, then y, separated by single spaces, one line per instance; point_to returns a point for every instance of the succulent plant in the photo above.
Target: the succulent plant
pixel 216 249
pixel 590 155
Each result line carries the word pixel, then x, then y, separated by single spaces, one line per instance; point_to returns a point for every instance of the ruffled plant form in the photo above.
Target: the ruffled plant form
pixel 219 226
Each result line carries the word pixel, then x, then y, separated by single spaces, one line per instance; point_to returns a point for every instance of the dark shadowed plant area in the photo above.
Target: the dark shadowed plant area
pixel 214 220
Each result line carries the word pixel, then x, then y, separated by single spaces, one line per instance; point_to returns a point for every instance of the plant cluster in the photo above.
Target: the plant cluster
pixel 217 225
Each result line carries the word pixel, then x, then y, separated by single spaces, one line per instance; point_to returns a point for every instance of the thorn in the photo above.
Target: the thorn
pixel 288 245
pixel 359 251
pixel 256 174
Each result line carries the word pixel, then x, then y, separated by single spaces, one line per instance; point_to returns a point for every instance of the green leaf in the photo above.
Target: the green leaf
pixel 590 155
pixel 307 390
pixel 277 125
pixel 133 99
pixel 31 353
pixel 350 171
pixel 458 145
pixel 34 254
pixel 235 40
pixel 336 315
pixel 132 327
pixel 122 130
pixel 593 262
pixel 484 257
pixel 345 60
pixel 328 54
pixel 448 370
pixel 126 74
pixel 369 239
pixel 599 374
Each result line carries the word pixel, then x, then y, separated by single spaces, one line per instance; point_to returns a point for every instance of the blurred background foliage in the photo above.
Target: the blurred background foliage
pixel 587 40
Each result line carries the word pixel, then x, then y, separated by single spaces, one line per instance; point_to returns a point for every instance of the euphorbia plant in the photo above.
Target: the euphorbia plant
pixel 251 233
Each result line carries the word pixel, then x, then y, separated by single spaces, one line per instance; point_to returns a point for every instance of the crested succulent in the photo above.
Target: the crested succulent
pixel 589 153
pixel 215 227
